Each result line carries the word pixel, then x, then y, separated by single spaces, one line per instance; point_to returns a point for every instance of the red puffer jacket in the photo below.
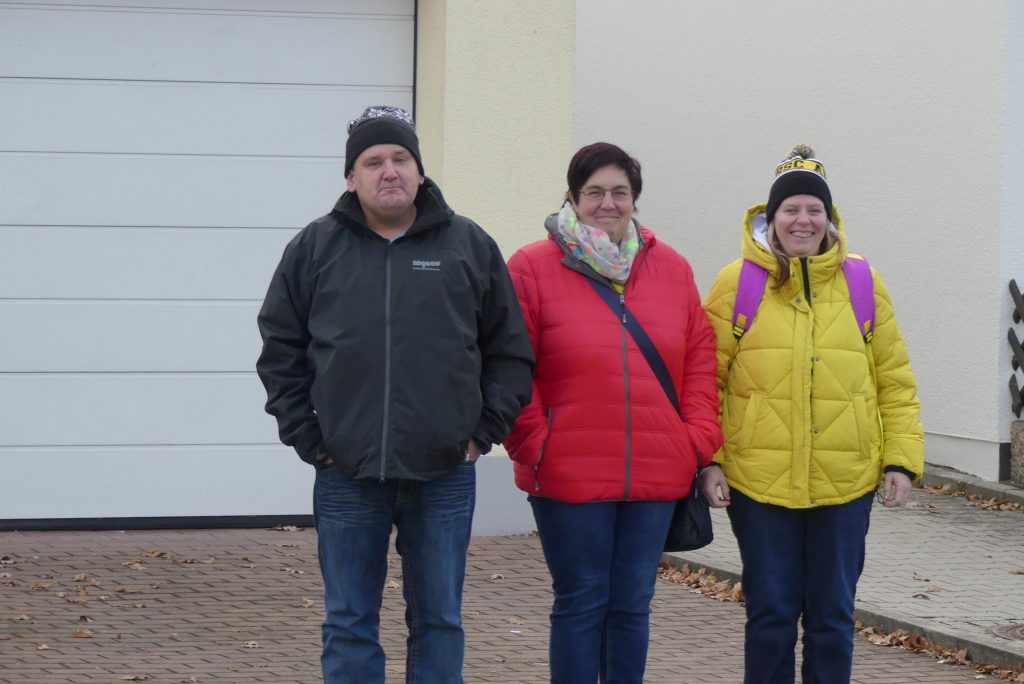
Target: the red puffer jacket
pixel 599 426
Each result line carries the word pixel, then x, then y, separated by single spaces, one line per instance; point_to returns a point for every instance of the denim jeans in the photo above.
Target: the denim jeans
pixel 799 562
pixel 353 521
pixel 603 558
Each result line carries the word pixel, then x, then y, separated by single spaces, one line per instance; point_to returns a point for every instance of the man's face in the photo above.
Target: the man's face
pixel 386 180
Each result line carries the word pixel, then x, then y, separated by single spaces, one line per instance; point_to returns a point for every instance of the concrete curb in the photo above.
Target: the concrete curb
pixel 999 652
pixel 937 476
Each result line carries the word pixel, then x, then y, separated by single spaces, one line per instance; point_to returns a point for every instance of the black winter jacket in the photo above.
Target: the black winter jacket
pixel 389 357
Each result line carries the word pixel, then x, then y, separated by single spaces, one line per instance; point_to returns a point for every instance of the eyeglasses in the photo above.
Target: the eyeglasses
pixel 597 194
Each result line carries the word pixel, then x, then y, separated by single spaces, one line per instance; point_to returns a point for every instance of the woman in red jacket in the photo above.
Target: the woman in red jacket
pixel 600 449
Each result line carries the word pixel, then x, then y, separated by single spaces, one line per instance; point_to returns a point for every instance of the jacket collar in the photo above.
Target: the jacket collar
pixel 431 209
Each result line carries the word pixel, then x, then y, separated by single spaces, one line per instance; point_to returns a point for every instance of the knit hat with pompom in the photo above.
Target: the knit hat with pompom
pixel 799 174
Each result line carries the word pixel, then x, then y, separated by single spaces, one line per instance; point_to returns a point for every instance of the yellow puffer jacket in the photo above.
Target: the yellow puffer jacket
pixel 811 414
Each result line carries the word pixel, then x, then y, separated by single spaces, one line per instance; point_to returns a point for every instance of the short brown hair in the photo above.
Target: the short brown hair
pixel 598 155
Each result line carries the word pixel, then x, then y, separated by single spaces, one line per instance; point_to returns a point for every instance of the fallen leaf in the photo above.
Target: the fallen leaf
pixel 43 647
pixel 132 678
pixel 84 618
pixel 515 621
pixel 1017 571
pixel 921 578
pixel 307 603
pixel 286 528
pixel 497 576
pixel 5 575
pixel 24 618
pixel 134 565
pixel 82 634
pixel 154 553
pixel 127 590
pixel 922 596
pixel 80 578
pixel 5 637
pixel 250 644
pixel 499 659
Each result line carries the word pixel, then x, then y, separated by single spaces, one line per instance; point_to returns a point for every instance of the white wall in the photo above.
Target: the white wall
pixel 1012 225
pixel 905 103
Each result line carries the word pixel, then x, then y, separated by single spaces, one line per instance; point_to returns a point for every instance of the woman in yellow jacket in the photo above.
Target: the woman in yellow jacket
pixel 816 417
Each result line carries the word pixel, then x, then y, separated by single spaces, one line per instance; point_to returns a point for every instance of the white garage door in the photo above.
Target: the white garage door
pixel 155 157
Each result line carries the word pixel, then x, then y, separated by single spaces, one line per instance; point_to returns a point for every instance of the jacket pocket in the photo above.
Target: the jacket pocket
pixel 860 412
pixel 750 415
pixel 540 457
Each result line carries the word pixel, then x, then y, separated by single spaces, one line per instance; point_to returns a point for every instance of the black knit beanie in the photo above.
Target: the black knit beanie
pixel 381 125
pixel 799 174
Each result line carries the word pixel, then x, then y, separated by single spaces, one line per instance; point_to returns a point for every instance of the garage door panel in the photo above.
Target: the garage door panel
pixel 140 263
pixel 333 7
pixel 91 409
pixel 143 190
pixel 185 118
pixel 103 336
pixel 206 46
pixel 102 482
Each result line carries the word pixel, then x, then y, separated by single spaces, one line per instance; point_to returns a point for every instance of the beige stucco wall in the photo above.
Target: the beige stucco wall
pixel 494 108
pixel 906 105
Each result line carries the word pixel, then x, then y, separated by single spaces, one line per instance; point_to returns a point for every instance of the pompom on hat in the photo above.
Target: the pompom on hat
pixel 381 125
pixel 799 174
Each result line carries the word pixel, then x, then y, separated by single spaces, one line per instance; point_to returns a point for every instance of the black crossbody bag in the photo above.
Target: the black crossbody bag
pixel 691 520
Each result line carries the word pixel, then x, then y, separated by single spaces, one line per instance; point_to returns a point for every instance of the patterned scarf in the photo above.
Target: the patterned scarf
pixel 595 248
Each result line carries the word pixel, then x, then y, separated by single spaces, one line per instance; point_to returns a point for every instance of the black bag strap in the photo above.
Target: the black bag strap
pixel 617 304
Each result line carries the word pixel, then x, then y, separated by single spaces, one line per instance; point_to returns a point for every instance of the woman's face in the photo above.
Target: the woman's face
pixel 606 201
pixel 800 225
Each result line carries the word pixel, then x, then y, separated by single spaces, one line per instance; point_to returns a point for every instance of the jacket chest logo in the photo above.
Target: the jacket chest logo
pixel 423 265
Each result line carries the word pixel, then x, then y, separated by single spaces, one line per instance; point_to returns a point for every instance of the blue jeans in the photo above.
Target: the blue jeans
pixel 603 558
pixel 799 562
pixel 353 521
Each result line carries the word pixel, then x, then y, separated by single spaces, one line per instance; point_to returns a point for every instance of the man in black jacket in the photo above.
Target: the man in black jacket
pixel 394 354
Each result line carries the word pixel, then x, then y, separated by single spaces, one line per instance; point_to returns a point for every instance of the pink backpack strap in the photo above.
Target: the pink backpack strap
pixel 748 296
pixel 862 293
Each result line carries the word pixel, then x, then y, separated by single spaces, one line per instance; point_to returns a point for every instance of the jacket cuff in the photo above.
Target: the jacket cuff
pixel 483 443
pixel 898 469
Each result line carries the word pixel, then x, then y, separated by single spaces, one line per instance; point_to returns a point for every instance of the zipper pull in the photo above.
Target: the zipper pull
pixel 622 301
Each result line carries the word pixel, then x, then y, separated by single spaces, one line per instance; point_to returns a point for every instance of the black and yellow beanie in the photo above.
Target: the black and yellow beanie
pixel 799 174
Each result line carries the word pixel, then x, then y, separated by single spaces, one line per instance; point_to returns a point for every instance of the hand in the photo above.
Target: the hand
pixel 472 452
pixel 715 486
pixel 895 489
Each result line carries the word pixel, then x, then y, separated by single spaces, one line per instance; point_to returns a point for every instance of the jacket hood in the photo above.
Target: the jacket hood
pixel 755 241
pixel 431 208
